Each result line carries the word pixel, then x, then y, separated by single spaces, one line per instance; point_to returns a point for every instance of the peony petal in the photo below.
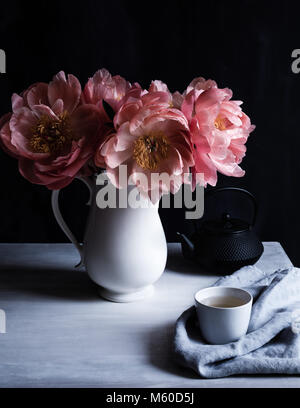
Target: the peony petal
pixel 43 110
pixel 52 181
pixel 38 95
pixel 188 105
pixel 234 119
pixel 104 139
pixel 5 137
pixel 88 92
pixel 158 86
pixel 165 121
pixel 208 103
pixel 67 90
pixel 200 84
pixel 126 113
pixel 177 100
pixel 124 139
pixel 231 106
pixel 173 163
pixel 206 167
pixel 58 107
pixel 114 175
pixel 105 87
pixel 185 153
pixel 198 138
pixel 21 125
pixel 238 149
pixel 17 102
pixel 156 98
pixel 86 121
pixel 228 166
pixel 115 158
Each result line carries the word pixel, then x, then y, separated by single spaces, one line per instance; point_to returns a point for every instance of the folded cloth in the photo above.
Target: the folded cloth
pixel 272 343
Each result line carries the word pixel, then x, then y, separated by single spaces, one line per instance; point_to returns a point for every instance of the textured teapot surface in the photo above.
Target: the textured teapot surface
pixel 230 251
pixel 224 244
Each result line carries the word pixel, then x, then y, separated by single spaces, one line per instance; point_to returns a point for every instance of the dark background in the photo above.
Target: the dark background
pixel 243 45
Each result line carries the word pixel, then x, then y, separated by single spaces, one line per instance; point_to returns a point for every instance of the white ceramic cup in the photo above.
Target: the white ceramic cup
pixel 221 325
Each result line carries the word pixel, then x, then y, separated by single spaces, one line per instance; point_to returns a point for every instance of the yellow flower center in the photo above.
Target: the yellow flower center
pixel 50 135
pixel 220 123
pixel 150 150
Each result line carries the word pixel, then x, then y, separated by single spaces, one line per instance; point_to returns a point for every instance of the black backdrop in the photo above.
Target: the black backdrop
pixel 245 45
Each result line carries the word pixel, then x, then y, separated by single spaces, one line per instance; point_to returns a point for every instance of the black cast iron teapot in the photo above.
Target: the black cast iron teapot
pixel 224 244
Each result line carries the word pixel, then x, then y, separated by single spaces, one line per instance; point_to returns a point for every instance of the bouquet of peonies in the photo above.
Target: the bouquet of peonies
pixel 58 131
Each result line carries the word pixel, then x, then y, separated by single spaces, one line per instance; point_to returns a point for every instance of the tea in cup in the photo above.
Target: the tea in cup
pixel 223 313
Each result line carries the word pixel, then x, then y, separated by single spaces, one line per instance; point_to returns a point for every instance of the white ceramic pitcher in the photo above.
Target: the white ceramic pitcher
pixel 124 249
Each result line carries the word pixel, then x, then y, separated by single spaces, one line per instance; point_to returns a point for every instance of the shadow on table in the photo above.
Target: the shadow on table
pixel 178 264
pixel 67 283
pixel 160 352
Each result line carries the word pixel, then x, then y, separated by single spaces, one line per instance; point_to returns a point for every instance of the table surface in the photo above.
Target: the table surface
pixel 59 333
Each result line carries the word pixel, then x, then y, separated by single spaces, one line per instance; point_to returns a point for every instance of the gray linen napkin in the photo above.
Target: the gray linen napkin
pixel 271 344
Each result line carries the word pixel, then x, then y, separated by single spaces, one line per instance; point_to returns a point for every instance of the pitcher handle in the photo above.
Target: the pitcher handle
pixel 61 222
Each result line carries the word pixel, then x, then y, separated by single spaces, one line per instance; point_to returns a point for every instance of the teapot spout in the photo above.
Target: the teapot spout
pixel 187 246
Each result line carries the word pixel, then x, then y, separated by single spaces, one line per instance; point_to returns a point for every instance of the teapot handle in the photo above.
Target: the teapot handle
pixel 61 222
pixel 239 190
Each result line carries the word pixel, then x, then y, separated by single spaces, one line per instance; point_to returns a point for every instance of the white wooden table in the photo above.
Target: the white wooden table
pixel 61 334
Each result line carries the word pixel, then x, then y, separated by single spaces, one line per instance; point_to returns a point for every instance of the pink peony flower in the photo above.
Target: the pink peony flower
pixel 51 132
pixel 175 99
pixel 151 137
pixel 219 129
pixel 104 87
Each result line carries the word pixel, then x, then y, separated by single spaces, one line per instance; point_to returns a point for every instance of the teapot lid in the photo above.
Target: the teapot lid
pixel 226 225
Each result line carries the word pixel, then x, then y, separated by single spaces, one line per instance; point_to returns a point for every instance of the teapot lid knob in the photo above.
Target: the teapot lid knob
pixel 226 224
pixel 227 220
pixel 237 190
